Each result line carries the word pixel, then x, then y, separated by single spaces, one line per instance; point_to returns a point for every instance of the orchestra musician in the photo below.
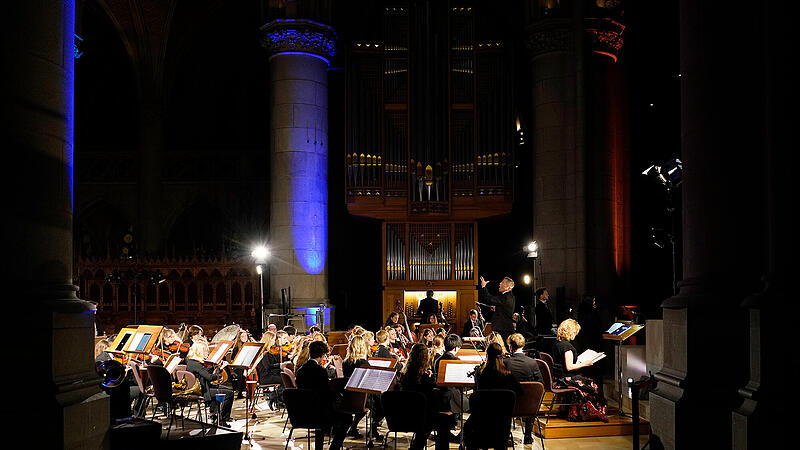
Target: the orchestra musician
pixel 269 368
pixel 428 305
pixel 393 319
pixel 437 347
pixel 522 368
pixel 195 332
pixel 417 377
pixel 427 337
pixel 313 376
pixel 272 328
pixel 473 327
pixel 356 357
pixel 495 337
pixel 238 380
pixel 195 358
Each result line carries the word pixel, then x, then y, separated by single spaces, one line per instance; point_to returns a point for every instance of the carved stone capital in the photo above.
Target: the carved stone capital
pixel 605 36
pixel 295 35
pixel 549 36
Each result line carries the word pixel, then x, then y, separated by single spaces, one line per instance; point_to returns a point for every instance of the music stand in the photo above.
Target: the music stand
pixel 143 339
pixel 619 333
pixel 217 351
pixel 386 363
pixel 248 356
pixel 372 380
pixel 459 374
pixel 121 341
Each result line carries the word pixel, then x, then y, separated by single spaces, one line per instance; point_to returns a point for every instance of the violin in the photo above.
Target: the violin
pixel 178 347
pixel 286 349
pixel 374 347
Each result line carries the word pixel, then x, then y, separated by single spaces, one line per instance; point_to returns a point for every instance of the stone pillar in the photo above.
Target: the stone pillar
pixel 705 328
pixel 558 205
pixel 299 57
pixel 38 40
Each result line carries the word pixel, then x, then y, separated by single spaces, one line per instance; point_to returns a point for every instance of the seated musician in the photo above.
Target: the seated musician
pixel 427 337
pixel 272 328
pixel 238 381
pixel 195 364
pixel 400 331
pixel 384 345
pixel 428 305
pixel 282 343
pixel 100 353
pixel 291 333
pixel 313 376
pixel 475 321
pixel 269 368
pixel 393 319
pixel 195 332
pixel 523 368
pixel 356 357
pixel 437 346
pixel 369 337
pixel 496 338
pixel 493 375
pixel 452 344
pixel 418 378
pixel 300 354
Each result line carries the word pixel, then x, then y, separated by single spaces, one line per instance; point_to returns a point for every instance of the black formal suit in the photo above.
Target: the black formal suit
pixel 383 352
pixel 470 324
pixel 447 356
pixel 544 319
pixel 314 377
pixel 523 367
pixel 428 306
pixel 502 321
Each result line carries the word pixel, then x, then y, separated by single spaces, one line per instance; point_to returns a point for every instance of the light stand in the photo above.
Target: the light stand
pixel 669 174
pixel 260 254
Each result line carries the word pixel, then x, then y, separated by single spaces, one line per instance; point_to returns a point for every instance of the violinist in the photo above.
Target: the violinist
pixel 369 338
pixel 300 355
pixel 269 368
pixel 437 347
pixel 195 332
pixel 272 328
pixel 356 355
pixel 495 337
pixel 384 345
pixel 195 364
pixel 291 333
pixel 238 381
pixel 400 331
pixel 282 346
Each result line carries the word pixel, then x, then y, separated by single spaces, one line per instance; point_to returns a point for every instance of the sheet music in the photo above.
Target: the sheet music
pixel 219 352
pixel 123 341
pixel 472 357
pixel 139 342
pixel 457 373
pixel 173 363
pixel 614 327
pixel 370 380
pixel 246 356
pixel 379 362
pixel 590 355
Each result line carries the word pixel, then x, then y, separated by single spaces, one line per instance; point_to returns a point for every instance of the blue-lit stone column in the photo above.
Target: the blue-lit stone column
pixel 299 57
pixel 57 364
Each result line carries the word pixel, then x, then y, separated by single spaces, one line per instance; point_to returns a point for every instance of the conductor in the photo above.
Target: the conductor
pixel 502 305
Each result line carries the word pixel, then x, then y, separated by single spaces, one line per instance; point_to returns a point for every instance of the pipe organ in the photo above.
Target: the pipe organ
pixel 429 142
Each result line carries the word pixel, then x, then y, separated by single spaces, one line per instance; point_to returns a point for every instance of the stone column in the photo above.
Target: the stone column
pixel 558 206
pixel 724 179
pixel 300 51
pixel 38 105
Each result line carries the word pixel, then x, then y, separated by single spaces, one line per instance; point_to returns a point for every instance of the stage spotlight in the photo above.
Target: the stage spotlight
pixel 533 249
pixel 260 254
pixel 526 279
pixel 259 269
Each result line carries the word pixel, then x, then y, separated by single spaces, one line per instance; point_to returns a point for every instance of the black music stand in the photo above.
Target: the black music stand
pixel 619 333
pixel 372 380
pixel 456 373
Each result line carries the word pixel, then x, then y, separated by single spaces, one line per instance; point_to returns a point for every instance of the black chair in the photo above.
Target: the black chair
pixel 489 424
pixel 304 408
pixel 162 390
pixel 528 405
pixel 547 381
pixel 402 411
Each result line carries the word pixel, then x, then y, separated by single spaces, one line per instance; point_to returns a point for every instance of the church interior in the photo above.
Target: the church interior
pixel 316 171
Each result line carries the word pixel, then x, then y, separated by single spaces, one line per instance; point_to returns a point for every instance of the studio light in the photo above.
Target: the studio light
pixel 533 249
pixel 526 279
pixel 259 269
pixel 260 254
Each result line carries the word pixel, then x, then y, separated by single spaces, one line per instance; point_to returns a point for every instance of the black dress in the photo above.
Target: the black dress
pixel 591 404
pixel 348 367
pixel 434 419
pixel 269 369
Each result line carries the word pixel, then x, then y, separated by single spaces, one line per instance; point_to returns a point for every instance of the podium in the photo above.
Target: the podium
pixel 618 333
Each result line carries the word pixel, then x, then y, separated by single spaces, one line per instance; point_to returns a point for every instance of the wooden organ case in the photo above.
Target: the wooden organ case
pixel 430 131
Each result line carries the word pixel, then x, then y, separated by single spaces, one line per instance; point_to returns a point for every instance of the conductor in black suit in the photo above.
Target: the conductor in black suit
pixel 314 377
pixel 502 305
pixel 428 305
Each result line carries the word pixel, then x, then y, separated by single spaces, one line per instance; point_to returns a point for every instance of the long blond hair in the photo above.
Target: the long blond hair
pixel 198 351
pixel 356 349
pixel 268 338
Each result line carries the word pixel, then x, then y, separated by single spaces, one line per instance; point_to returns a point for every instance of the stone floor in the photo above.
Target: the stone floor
pixel 267 434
